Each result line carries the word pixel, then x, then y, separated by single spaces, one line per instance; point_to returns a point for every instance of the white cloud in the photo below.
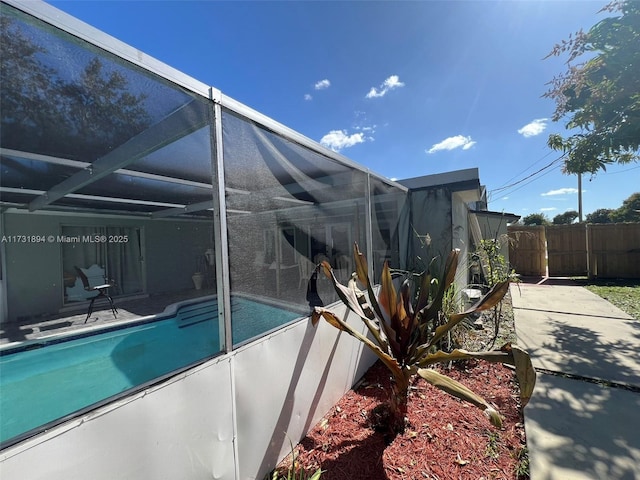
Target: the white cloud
pixel 389 84
pixel 308 97
pixel 453 142
pixel 367 132
pixel 533 128
pixel 560 191
pixel 336 140
pixel 322 84
pixel 548 209
pixel 505 198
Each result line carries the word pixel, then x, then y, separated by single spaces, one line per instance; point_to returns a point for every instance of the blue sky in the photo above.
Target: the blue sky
pixel 404 88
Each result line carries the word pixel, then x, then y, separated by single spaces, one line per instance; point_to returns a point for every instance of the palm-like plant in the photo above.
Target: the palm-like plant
pixel 406 328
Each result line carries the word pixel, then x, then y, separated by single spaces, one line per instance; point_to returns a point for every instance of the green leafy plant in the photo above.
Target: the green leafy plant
pixel 522 467
pixel 405 328
pixel 496 270
pixel 493 445
pixel 598 93
pixel 494 263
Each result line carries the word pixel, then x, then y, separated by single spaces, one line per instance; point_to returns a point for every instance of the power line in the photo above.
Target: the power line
pixel 491 192
pixel 520 173
pixel 533 180
pixel 503 188
pixel 527 177
pixel 622 171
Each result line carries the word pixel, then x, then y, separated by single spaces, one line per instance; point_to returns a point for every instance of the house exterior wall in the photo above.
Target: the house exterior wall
pixel 169 250
pixel 431 213
pixel 443 215
pixel 24 287
pixel 461 238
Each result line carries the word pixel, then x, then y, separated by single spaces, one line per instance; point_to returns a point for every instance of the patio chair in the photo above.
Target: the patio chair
pixel 94 280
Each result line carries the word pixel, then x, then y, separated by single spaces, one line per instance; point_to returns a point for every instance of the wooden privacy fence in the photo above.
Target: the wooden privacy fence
pixel 528 250
pixel 567 250
pixel 614 250
pixel 595 250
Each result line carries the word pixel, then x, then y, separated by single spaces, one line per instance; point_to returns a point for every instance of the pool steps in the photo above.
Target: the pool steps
pixel 192 315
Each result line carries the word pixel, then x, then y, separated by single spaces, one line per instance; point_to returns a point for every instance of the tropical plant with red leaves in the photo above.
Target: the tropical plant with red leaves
pixel 405 329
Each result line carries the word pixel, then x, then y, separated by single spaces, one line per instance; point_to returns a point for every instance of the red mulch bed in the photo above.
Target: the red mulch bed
pixel 445 437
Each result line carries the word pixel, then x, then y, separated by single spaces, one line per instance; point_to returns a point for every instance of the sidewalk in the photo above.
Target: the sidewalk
pixel 584 424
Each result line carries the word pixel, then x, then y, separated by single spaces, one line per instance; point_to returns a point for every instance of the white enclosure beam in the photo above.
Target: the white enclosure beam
pixel 182 122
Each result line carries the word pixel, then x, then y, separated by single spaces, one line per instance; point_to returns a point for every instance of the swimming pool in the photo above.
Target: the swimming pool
pixel 47 381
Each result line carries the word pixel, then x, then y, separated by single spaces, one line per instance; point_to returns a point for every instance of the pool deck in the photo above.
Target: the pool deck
pixel 72 317
pixel 131 308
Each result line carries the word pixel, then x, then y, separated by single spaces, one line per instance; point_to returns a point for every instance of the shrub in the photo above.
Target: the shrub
pixel 406 328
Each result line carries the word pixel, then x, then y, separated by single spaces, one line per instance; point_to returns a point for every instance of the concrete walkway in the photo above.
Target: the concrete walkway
pixel 584 424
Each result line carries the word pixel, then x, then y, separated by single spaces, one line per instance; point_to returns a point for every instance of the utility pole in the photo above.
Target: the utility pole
pixel 580 197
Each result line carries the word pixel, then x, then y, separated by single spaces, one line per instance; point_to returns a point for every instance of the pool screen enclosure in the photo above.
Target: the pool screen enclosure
pixel 168 192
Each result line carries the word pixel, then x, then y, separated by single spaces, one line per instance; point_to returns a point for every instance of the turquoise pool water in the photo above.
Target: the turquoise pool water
pixel 45 384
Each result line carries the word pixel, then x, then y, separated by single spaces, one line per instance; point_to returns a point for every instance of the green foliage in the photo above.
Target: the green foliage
pixel 406 326
pixel 493 445
pixel 494 264
pixel 629 211
pixel 522 467
pixel 602 215
pixel 535 219
pixel 599 94
pixel 565 218
pixel 451 303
